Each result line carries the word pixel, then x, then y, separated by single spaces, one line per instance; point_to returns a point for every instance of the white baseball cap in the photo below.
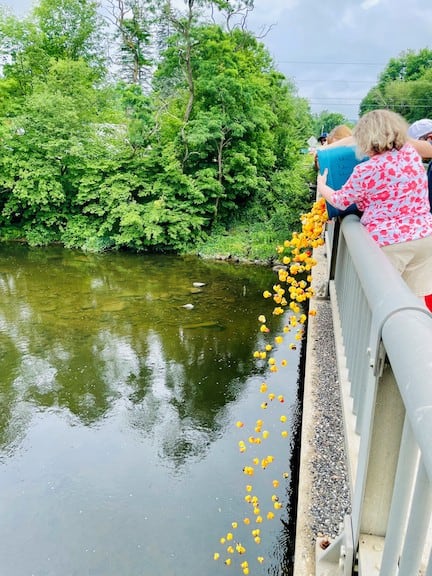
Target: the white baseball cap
pixel 420 128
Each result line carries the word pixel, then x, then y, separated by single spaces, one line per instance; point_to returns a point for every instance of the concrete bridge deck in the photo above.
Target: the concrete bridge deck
pixel 324 496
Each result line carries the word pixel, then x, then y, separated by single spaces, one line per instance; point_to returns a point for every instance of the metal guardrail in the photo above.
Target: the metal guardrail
pixel 383 336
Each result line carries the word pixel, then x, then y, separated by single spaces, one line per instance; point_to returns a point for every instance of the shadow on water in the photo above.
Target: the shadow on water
pixel 122 377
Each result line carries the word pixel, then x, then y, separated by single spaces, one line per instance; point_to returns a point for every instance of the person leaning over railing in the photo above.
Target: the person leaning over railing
pixel 391 190
pixel 338 132
pixel 423 147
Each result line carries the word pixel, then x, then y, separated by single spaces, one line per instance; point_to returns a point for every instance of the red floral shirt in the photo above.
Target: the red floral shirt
pixel 391 190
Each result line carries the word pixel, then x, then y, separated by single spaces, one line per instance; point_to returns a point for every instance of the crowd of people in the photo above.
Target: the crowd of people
pixel 390 189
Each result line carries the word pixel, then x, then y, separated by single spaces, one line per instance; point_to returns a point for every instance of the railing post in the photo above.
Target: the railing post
pixel 408 458
pixel 386 431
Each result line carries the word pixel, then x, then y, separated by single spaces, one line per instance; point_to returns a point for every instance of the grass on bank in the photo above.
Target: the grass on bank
pixel 257 237
pixel 252 242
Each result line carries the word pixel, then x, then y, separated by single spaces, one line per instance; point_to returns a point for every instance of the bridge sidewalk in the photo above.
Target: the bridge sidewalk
pixel 323 495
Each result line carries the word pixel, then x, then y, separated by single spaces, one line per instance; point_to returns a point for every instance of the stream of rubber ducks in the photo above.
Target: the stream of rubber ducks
pixel 293 289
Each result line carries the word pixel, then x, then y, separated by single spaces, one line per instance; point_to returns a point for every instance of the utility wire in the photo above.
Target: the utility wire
pixel 327 63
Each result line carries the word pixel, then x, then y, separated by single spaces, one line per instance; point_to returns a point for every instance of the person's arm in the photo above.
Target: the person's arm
pixel 423 147
pixel 322 187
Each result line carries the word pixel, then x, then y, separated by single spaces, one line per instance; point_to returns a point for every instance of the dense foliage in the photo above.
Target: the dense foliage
pixel 190 131
pixel 325 121
pixel 404 86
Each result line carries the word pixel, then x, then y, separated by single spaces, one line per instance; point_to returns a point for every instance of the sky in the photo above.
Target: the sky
pixel 333 50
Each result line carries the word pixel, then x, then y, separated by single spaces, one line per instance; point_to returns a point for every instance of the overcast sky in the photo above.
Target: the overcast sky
pixel 333 50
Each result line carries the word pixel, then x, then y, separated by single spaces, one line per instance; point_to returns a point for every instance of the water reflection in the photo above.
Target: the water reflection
pixel 81 331
pixel 107 382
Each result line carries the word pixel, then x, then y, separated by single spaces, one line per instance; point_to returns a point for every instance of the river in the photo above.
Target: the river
pixel 128 386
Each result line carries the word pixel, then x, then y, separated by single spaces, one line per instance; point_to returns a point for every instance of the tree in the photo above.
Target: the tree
pixel 134 22
pixel 409 66
pixel 68 30
pixel 71 29
pixel 242 124
pixel 44 145
pixel 22 60
pixel 404 86
pixel 325 121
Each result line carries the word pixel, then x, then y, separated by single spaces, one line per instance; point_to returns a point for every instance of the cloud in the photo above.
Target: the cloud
pixel 348 19
pixel 369 4
pixel 274 7
pixel 18 7
pixel 334 51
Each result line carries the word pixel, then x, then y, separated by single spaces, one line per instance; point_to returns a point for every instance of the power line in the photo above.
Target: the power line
pixel 349 81
pixel 351 104
pixel 326 62
pixel 335 81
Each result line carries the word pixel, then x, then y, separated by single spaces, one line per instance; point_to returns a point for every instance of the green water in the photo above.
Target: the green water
pixel 118 440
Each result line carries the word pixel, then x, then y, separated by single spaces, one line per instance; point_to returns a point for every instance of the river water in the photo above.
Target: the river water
pixel 121 387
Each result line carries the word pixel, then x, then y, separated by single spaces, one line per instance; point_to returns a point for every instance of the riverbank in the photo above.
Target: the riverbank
pixel 243 246
pixel 323 493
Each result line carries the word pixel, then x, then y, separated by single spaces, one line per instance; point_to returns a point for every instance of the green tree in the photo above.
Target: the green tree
pixel 225 139
pixel 72 30
pixel 409 66
pixel 43 144
pixel 138 199
pixel 134 22
pixel 22 60
pixel 325 121
pixel 68 30
pixel 374 99
pixel 404 86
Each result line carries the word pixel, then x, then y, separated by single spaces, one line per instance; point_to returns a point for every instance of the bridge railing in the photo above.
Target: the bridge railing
pixel 383 336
